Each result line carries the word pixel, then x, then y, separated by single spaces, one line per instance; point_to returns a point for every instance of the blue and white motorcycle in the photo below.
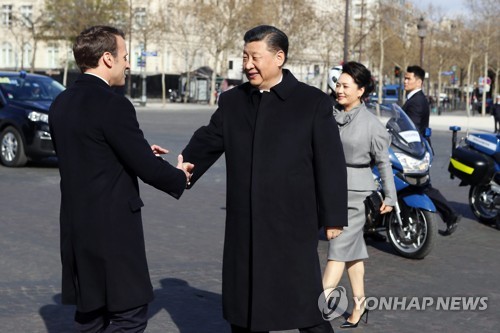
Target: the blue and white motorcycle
pixel 476 162
pixel 412 226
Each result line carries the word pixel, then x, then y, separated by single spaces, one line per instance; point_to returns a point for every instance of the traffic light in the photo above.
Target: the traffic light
pixel 397 71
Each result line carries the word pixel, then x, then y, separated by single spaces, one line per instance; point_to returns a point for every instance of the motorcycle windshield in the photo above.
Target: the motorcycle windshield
pixel 403 132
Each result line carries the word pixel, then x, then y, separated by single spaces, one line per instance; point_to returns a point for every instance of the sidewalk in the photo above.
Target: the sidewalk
pixel 459 118
pixel 437 122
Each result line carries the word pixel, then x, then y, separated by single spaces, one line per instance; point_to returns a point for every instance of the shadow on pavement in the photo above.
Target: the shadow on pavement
pixel 50 162
pixel 191 309
pixel 58 318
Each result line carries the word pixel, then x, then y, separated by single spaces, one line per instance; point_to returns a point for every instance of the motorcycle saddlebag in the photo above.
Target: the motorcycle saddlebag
pixel 471 166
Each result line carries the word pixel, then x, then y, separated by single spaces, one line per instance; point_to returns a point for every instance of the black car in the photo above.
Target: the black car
pixel 24 120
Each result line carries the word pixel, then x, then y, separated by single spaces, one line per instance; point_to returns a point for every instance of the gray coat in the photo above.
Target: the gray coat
pixel 366 141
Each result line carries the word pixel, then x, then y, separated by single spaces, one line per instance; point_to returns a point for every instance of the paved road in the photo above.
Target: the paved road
pixel 184 242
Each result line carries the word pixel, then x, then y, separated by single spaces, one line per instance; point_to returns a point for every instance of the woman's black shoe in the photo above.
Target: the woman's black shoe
pixel 348 324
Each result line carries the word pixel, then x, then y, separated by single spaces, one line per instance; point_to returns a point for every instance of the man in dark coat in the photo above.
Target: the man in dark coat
pixel 286 177
pixel 417 108
pixel 416 105
pixel 101 152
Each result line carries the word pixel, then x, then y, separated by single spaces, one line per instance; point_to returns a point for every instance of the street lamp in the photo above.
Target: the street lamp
pixel 422 32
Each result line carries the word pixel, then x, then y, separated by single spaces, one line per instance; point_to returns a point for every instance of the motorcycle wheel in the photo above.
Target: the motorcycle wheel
pixel 481 200
pixel 415 239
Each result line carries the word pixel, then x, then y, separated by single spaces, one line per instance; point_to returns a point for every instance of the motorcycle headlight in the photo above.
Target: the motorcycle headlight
pixel 412 165
pixel 38 116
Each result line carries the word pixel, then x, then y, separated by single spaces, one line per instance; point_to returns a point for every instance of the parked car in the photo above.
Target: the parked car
pixel 24 117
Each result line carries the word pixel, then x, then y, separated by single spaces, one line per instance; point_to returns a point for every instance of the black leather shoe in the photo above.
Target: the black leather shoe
pixel 451 225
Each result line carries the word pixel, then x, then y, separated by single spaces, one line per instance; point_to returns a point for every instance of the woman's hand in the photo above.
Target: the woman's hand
pixel 385 209
pixel 333 232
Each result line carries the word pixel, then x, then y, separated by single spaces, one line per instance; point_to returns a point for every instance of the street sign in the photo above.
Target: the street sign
pixel 149 53
pixel 141 62
pixel 481 81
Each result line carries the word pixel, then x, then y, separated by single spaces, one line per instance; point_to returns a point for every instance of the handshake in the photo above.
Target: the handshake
pixel 181 165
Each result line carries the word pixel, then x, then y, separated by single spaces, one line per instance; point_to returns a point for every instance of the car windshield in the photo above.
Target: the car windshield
pixel 403 132
pixel 28 88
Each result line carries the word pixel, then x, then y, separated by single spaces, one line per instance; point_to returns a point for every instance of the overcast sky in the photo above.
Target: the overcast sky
pixel 448 7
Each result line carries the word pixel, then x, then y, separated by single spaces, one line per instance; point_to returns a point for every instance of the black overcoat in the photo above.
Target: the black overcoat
pixel 417 108
pixel 286 177
pixel 101 152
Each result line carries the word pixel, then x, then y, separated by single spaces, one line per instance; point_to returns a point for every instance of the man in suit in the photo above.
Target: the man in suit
pixel 417 108
pixel 101 152
pixel 286 177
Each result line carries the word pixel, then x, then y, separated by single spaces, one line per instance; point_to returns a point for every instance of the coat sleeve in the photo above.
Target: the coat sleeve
pixel 329 168
pixel 205 147
pixel 379 152
pixel 121 130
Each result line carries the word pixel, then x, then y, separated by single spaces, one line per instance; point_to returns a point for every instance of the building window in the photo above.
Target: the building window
pixel 230 65
pixel 6 58
pixel 52 56
pixel 140 17
pixel 27 15
pixel 6 15
pixel 27 55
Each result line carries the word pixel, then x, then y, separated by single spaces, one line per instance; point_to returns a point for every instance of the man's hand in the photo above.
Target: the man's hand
pixel 186 167
pixel 333 232
pixel 157 150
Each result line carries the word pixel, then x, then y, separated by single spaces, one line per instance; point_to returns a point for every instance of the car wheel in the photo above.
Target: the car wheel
pixel 12 145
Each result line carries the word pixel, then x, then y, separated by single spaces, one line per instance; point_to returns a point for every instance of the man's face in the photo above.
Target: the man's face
pixel 412 82
pixel 120 64
pixel 261 66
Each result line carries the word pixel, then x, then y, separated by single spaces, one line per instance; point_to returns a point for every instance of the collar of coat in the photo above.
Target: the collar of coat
pixel 284 89
pixel 343 118
pixel 92 79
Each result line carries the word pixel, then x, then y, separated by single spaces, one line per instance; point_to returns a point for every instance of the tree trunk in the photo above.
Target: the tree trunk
pixel 483 102
pixel 468 84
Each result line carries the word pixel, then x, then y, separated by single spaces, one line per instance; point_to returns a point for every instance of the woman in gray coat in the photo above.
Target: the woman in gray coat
pixel 365 142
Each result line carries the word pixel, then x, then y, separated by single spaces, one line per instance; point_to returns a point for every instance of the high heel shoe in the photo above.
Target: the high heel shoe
pixel 348 324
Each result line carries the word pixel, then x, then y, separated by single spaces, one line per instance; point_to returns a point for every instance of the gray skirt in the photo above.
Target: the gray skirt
pixel 350 245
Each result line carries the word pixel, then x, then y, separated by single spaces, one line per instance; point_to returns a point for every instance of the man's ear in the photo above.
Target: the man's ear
pixel 280 58
pixel 107 59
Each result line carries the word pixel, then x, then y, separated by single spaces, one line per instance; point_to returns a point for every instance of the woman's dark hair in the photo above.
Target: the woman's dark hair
pixel 361 75
pixel 275 39
pixel 91 44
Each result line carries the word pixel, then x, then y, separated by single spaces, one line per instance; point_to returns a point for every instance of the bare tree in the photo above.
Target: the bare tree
pixel 486 12
pixel 65 19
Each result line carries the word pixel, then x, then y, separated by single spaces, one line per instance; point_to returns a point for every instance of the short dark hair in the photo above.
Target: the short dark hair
pixel 91 44
pixel 275 39
pixel 361 76
pixel 417 71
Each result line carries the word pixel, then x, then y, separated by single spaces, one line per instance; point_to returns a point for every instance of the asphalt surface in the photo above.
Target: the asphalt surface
pixel 184 241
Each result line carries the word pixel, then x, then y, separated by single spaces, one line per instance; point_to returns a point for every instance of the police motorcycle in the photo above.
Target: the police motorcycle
pixel 475 160
pixel 412 225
